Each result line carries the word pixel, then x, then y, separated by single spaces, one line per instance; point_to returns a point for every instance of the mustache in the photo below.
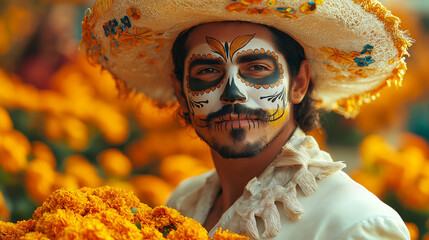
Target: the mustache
pixel 239 110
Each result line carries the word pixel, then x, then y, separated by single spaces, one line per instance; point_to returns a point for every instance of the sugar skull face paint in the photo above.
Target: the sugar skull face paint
pixel 236 86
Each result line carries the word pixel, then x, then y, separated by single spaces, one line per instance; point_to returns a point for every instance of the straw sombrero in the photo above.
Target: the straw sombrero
pixel 354 46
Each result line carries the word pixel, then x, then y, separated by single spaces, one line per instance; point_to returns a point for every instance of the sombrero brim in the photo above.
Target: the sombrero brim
pixel 354 47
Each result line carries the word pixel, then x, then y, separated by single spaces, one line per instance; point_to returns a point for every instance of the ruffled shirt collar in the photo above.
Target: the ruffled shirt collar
pixel 297 168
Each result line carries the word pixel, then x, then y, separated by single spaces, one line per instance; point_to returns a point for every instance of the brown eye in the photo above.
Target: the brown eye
pixel 207 71
pixel 257 70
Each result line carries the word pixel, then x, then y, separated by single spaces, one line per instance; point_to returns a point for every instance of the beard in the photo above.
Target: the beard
pixel 234 143
pixel 237 147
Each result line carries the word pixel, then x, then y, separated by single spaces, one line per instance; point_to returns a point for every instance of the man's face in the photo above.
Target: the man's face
pixel 236 86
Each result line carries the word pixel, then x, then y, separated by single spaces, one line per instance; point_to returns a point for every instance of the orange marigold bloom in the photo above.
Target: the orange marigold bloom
pixel 39 179
pixel 114 163
pixel 5 121
pixel 413 229
pixel 176 168
pixel 190 229
pixel 14 149
pixel 227 235
pixel 43 152
pixel 83 171
pixel 151 189
pixel 4 211
pixel 14 231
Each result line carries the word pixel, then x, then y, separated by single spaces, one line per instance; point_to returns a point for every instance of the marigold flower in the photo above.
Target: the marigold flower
pixel 151 189
pixel 413 229
pixel 41 151
pixel 64 181
pixel 227 235
pixel 83 171
pixel 14 231
pixel 114 163
pixel 176 168
pixel 374 183
pixel 104 213
pixel 39 179
pixel 189 229
pixel 5 121
pixel 14 149
pixel 4 210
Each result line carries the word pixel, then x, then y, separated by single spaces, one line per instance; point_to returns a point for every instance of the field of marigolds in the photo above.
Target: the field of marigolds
pixel 66 135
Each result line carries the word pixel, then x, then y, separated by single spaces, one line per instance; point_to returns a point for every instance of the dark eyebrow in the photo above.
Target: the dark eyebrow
pixel 253 57
pixel 204 61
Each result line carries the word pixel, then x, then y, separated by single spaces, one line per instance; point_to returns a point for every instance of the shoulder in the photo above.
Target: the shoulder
pixel 343 209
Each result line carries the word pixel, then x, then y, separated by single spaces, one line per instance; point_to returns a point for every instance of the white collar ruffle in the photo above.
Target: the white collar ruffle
pixel 300 164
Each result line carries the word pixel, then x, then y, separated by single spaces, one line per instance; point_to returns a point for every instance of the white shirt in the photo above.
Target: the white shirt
pixel 301 195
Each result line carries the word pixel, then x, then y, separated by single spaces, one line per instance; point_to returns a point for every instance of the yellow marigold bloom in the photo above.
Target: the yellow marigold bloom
pixel 4 210
pixel 126 185
pixel 227 235
pixel 111 123
pixel 373 148
pixel 151 189
pixel 151 233
pixel 65 181
pixel 104 213
pixel 189 229
pixel 43 152
pixel 374 183
pixel 413 229
pixel 14 149
pixel 34 236
pixel 39 179
pixel 166 218
pixel 176 168
pixel 153 117
pixel 14 231
pixel 5 121
pixel 114 163
pixel 83 171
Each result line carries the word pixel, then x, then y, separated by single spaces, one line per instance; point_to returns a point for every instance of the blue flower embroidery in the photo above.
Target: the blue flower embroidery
pixel 367 49
pixel 364 62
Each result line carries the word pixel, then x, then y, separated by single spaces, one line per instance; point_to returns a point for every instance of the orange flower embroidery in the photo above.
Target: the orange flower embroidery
pixel 236 7
pixel 134 13
pixel 262 11
pixel 137 37
pixel 250 2
pixel 339 56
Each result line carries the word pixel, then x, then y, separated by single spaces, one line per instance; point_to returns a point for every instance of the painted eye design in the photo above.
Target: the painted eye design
pixel 205 71
pixel 258 68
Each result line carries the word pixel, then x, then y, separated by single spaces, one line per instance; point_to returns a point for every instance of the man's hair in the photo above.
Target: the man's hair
pixel 305 113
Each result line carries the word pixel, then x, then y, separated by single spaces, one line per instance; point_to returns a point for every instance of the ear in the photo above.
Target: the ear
pixel 178 90
pixel 300 83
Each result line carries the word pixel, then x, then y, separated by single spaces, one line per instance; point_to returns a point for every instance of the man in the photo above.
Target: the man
pixel 246 88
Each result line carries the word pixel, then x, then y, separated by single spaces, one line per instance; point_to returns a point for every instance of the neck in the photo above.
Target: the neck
pixel 234 174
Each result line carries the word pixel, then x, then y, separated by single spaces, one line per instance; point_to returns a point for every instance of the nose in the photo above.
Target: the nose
pixel 232 94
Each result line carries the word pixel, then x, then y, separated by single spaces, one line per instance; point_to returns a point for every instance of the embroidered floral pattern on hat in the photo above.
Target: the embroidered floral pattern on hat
pixel 286 12
pixel 344 62
pixel 124 36
pixel 95 49
pixel 310 7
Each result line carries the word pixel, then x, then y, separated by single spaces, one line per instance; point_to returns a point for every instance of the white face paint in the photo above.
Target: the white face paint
pixel 236 82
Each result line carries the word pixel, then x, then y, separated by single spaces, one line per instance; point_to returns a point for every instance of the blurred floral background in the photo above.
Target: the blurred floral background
pixel 62 123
